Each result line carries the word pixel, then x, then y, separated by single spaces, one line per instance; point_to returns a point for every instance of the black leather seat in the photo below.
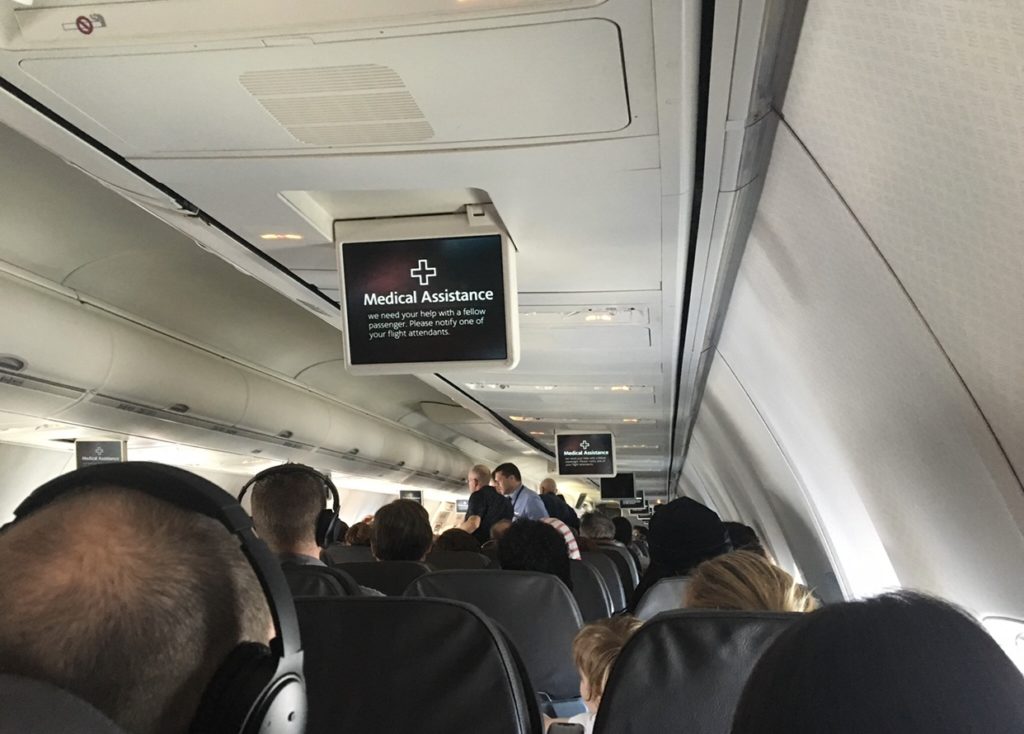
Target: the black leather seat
pixel 319 581
pixel 685 670
pixel 536 610
pixel 447 560
pixel 624 562
pixel 610 573
pixel 336 554
pixel 376 665
pixel 32 707
pixel 666 595
pixel 590 591
pixel 388 577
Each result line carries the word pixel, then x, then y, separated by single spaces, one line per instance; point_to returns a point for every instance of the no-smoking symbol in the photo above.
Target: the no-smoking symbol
pixel 84 25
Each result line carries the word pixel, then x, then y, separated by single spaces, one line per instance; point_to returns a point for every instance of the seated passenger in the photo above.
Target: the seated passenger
pixel 556 505
pixel 597 527
pixel 498 531
pixel 526 504
pixel 531 545
pixel 682 534
pixel 359 534
pixel 595 650
pixel 624 535
pixel 900 663
pixel 744 537
pixel 567 535
pixel 456 539
pixel 401 532
pixel 133 610
pixel 746 581
pixel 285 510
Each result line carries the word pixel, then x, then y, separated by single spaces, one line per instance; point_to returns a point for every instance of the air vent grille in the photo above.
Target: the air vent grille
pixel 341 105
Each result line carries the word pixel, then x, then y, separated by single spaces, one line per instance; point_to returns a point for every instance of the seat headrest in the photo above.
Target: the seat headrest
pixel 537 611
pixel 664 596
pixel 32 707
pixel 388 577
pixel 685 670
pixel 319 581
pixel 379 665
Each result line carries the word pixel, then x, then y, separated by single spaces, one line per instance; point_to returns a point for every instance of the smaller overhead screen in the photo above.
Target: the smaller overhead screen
pixel 637 502
pixel 621 486
pixel 427 294
pixel 415 495
pixel 580 501
pixel 91 453
pixel 461 505
pixel 585 454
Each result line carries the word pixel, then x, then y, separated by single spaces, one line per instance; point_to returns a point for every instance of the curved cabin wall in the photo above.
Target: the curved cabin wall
pixel 831 400
pixel 88 367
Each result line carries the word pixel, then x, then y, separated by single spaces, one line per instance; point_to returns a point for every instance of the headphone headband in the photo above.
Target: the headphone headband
pixel 192 493
pixel 297 469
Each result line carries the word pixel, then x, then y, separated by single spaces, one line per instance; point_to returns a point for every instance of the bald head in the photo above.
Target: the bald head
pixel 126 601
pixel 548 486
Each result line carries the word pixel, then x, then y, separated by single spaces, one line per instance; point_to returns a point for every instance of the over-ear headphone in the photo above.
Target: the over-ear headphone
pixel 257 688
pixel 327 526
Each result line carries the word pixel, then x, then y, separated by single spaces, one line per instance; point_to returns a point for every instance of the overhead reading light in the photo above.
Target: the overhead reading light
pixel 277 236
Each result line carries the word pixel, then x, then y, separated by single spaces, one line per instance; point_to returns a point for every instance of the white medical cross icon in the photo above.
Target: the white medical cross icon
pixel 585 445
pixel 423 272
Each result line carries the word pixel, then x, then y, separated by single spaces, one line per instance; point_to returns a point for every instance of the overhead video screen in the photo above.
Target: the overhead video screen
pixel 633 502
pixel 424 304
pixel 585 454
pixel 416 495
pixel 462 505
pixel 621 486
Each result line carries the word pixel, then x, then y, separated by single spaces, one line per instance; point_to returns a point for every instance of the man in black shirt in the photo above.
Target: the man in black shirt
pixel 486 505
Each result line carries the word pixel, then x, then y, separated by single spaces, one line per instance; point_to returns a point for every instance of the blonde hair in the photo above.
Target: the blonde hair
pixel 597 646
pixel 745 580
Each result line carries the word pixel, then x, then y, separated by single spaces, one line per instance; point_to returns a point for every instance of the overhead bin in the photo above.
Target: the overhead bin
pixel 94 369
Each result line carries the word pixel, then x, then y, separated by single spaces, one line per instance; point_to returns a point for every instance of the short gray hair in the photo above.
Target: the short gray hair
pixel 596 526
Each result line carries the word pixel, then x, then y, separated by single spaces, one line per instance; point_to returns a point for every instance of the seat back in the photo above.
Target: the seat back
pixel 446 560
pixel 337 554
pixel 590 591
pixel 377 665
pixel 388 577
pixel 665 595
pixel 29 706
pixel 606 567
pixel 319 581
pixel 625 563
pixel 535 609
pixel 685 670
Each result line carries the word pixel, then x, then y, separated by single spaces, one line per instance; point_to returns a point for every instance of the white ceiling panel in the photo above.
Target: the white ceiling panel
pixel 915 111
pixel 361 92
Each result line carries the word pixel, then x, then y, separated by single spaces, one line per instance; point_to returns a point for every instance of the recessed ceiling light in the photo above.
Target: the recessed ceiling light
pixel 620 388
pixel 630 420
pixel 536 433
pixel 279 236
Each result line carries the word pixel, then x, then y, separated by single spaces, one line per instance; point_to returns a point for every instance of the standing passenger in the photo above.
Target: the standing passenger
pixel 556 505
pixel 526 504
pixel 486 506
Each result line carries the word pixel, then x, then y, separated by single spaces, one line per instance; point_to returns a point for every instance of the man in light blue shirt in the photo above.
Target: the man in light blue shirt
pixel 526 504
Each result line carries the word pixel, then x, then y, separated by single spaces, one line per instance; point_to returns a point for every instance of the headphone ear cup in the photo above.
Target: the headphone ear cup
pixel 235 690
pixel 326 528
